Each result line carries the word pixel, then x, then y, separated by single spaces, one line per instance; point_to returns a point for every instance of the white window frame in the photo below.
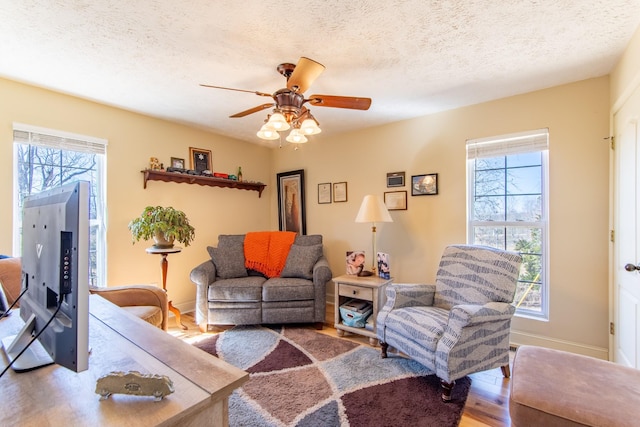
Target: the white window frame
pixel 504 145
pixel 73 142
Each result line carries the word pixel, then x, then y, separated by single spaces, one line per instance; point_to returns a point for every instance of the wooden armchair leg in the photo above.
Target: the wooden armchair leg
pixel 446 390
pixel 506 372
pixel 383 349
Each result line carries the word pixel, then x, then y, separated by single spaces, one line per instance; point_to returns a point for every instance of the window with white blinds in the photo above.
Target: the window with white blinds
pixel 508 205
pixel 48 158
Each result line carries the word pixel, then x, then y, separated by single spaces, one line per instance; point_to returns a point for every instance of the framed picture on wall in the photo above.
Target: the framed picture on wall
pixel 424 185
pixel 339 191
pixel 291 210
pixel 395 200
pixel 324 193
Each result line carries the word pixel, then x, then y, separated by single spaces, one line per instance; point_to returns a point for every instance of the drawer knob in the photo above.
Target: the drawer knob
pixel 355 292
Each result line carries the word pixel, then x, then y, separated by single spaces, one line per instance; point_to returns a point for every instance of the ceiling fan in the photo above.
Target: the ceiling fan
pixel 289 103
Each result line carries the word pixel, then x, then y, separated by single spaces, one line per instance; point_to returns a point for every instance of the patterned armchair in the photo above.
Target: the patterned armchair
pixel 461 324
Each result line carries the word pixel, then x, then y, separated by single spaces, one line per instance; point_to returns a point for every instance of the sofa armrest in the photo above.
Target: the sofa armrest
pixel 401 295
pixel 11 277
pixel 202 276
pixel 321 276
pixel 470 314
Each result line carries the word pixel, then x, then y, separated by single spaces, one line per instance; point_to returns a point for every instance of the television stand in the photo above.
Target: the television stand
pixel 34 357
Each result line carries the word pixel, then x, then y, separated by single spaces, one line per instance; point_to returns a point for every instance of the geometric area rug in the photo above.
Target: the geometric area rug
pixel 299 377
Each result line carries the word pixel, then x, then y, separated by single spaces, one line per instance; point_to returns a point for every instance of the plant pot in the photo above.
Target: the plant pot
pixel 161 241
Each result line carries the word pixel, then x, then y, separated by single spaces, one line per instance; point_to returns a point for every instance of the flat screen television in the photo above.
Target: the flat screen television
pixel 55 273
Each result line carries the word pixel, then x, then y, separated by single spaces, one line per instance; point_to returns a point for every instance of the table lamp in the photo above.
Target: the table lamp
pixel 372 210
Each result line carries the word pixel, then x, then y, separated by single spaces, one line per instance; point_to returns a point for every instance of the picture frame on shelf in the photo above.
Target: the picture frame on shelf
pixel 291 206
pixel 395 200
pixel 324 193
pixel 424 185
pixel 199 159
pixel 339 192
pixel 177 162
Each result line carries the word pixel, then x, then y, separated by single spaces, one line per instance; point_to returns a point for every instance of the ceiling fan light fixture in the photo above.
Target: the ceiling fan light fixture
pixel 310 127
pixel 295 137
pixel 266 132
pixel 278 122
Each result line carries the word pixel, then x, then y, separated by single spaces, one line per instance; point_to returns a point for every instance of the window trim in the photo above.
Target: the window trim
pixel 504 145
pixel 57 139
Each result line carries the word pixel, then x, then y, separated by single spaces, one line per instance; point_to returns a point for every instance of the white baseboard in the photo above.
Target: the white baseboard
pixel 522 338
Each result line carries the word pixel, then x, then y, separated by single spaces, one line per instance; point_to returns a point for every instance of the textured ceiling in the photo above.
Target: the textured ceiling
pixel 412 57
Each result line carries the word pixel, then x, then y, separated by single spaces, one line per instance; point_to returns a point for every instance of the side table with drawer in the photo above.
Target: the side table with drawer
pixel 369 288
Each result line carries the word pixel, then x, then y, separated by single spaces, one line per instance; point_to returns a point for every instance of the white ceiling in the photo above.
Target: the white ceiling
pixel 412 57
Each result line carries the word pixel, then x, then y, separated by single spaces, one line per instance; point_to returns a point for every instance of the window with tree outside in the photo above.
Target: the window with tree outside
pixel 45 159
pixel 508 205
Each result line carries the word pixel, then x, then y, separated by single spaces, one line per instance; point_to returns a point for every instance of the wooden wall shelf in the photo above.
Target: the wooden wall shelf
pixel 158 175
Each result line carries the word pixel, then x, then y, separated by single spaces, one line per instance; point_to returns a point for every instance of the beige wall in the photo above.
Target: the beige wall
pixel 625 77
pixel 576 114
pixel 577 117
pixel 133 138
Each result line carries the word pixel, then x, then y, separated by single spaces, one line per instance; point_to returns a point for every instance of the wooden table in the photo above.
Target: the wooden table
pixel 369 288
pixel 164 265
pixel 119 341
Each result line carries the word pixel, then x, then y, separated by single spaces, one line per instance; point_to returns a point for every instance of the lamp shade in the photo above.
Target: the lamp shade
pixel 373 210
pixel 278 122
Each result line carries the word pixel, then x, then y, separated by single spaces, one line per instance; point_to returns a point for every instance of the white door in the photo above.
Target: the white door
pixel 626 274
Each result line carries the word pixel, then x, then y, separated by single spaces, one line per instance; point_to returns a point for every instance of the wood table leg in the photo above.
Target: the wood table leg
pixel 165 266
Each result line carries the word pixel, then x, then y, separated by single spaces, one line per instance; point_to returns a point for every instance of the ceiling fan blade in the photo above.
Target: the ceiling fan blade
pixel 305 73
pixel 340 102
pixel 238 90
pixel 252 110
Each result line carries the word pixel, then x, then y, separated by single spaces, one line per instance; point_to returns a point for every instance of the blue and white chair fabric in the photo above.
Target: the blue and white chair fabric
pixel 461 324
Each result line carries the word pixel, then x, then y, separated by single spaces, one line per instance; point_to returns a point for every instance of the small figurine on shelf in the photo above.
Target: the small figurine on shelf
pixel 239 173
pixel 154 164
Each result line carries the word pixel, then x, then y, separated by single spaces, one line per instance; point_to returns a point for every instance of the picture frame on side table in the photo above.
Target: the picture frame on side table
pixel 324 193
pixel 291 208
pixel 199 159
pixel 424 185
pixel 395 200
pixel 339 192
pixel 177 163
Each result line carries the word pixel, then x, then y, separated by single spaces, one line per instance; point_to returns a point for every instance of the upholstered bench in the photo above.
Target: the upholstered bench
pixel 555 388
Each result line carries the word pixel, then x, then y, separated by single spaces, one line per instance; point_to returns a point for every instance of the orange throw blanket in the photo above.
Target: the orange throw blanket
pixel 267 251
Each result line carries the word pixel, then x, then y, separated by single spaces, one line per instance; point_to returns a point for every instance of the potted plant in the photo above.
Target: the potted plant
pixel 163 224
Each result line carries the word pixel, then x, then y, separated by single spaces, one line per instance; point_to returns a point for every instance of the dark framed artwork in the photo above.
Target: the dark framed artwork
pixel 291 211
pixel 395 200
pixel 395 179
pixel 199 159
pixel 177 163
pixel 324 193
pixel 424 185
pixel 339 192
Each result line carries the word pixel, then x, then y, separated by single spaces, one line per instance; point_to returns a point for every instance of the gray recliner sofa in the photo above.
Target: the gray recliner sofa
pixel 229 294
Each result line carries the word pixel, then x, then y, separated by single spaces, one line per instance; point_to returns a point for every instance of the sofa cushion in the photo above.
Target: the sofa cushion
pixel 237 289
pixel 301 260
pixel 279 289
pixel 228 257
pixel 308 239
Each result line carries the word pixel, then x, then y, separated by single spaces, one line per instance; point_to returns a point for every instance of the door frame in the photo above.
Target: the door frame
pixel 613 167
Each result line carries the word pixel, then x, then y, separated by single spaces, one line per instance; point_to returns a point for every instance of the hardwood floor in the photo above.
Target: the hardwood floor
pixel 487 403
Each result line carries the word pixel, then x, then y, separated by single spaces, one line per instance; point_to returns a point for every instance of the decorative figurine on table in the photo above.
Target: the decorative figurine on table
pixel 134 383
